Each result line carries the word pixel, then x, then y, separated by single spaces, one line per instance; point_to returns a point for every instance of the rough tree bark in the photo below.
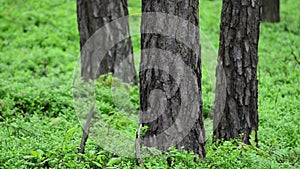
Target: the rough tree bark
pixel 270 11
pixel 235 110
pixel 93 15
pixel 168 90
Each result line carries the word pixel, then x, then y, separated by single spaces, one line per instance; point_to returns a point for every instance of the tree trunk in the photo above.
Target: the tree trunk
pixel 235 111
pixel 105 45
pixel 92 16
pixel 270 10
pixel 170 76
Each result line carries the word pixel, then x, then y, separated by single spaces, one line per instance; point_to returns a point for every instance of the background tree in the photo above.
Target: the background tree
pixel 235 110
pixel 163 93
pixel 270 10
pixel 93 15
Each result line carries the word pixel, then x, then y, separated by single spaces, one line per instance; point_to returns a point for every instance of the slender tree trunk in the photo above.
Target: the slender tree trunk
pixel 270 11
pixel 93 15
pixel 235 110
pixel 170 76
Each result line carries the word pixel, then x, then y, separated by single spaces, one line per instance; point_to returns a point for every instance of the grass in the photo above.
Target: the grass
pixel 39 128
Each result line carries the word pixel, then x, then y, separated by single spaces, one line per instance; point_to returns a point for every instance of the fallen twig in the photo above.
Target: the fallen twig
pixel 86 129
pixel 294 55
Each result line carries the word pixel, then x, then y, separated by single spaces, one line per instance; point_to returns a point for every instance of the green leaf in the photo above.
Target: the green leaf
pixel 252 138
pixel 97 164
pixel 64 147
pixel 70 132
pixel 114 161
pixel 35 153
pixel 144 130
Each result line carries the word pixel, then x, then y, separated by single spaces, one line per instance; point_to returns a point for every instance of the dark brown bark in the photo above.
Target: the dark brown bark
pixel 270 11
pixel 168 90
pixel 235 111
pixel 93 15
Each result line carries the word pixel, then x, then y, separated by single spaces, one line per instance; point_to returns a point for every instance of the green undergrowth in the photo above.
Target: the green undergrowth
pixel 39 122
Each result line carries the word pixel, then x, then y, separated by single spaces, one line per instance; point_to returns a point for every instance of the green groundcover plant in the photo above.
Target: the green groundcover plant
pixel 39 49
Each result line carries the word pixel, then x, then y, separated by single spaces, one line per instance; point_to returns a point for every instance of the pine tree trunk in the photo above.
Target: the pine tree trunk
pixel 235 111
pixel 270 10
pixel 93 15
pixel 170 76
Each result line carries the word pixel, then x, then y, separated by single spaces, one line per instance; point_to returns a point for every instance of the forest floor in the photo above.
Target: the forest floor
pixel 39 127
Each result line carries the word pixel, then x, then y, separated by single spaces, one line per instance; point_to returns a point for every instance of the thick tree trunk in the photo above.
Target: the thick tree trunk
pixel 270 10
pixel 170 76
pixel 93 15
pixel 235 111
